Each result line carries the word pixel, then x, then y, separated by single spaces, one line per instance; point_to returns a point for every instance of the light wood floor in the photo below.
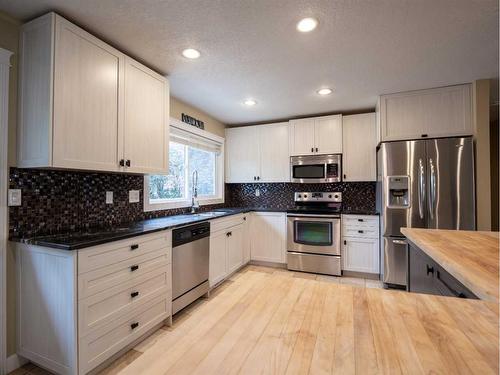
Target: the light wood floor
pixel 271 321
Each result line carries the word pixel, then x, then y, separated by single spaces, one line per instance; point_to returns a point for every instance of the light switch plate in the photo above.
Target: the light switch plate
pixel 14 197
pixel 109 197
pixel 133 196
pixel 257 192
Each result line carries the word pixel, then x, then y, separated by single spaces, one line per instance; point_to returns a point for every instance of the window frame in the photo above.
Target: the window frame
pixel 164 204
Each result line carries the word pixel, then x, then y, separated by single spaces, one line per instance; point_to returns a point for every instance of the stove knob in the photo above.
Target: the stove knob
pixel 336 195
pixel 329 195
pixel 305 195
pixel 299 196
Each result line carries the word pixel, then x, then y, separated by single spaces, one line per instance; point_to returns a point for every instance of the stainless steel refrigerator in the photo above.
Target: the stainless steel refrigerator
pixel 422 184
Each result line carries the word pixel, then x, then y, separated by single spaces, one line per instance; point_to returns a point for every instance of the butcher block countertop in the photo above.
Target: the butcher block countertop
pixel 470 257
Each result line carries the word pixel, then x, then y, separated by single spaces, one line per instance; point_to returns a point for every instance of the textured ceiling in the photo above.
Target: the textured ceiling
pixel 250 48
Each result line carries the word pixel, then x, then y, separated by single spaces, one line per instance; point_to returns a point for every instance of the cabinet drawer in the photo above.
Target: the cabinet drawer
pixel 227 222
pixel 105 307
pixel 103 255
pixel 360 221
pixel 360 232
pixel 117 274
pixel 103 343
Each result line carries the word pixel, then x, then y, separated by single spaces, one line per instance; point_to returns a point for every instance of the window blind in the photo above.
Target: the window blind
pixel 194 140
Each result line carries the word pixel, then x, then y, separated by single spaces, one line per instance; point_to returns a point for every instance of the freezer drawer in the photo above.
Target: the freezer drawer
pixel 395 261
pixel 325 264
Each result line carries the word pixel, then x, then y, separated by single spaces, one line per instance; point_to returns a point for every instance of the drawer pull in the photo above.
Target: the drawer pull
pixel 361 231
pixel 134 247
pixel 133 268
pixel 430 270
pixel 361 220
pixel 229 234
pixel 447 286
pixel 134 325
pixel 134 294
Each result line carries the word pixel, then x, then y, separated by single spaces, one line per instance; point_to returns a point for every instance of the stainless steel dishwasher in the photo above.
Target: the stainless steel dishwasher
pixel 190 260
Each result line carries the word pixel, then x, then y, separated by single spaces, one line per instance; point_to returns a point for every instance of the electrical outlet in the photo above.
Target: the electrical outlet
pixel 133 196
pixel 257 192
pixel 14 197
pixel 109 197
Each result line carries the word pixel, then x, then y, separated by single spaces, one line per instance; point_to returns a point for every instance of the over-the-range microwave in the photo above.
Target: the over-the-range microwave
pixel 316 168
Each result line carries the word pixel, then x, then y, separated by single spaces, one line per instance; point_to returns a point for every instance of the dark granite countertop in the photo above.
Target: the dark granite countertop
pixel 92 237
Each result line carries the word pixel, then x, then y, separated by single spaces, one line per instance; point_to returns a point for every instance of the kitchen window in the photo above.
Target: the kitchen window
pixel 190 150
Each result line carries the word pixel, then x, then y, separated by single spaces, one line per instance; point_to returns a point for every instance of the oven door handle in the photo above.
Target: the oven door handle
pixel 313 216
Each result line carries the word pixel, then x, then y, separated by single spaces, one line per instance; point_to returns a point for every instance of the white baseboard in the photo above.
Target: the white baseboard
pixel 14 362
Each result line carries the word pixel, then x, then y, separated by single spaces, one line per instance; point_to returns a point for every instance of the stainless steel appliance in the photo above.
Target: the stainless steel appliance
pixel 313 233
pixel 190 260
pixel 316 168
pixel 422 184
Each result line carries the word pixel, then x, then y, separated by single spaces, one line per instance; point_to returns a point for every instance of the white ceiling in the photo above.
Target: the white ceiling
pixel 250 48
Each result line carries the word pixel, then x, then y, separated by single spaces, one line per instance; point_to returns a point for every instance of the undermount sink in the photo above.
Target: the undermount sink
pixel 212 214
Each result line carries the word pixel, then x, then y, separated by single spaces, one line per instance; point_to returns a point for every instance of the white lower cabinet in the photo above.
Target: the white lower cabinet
pixel 360 249
pixel 268 237
pixel 227 247
pixel 101 299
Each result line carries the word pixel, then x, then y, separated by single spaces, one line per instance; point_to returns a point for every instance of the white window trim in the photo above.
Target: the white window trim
pixel 181 203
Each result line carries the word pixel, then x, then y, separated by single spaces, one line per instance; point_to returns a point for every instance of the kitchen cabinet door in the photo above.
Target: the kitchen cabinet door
pixel 359 134
pixel 328 135
pixel 234 245
pixel 242 154
pixel 146 130
pixel 437 112
pixel 218 258
pixel 274 155
pixel 268 237
pixel 246 237
pixel 361 255
pixel 302 136
pixel 87 81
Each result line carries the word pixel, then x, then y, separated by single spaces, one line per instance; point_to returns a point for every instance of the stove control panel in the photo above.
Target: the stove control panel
pixel 318 197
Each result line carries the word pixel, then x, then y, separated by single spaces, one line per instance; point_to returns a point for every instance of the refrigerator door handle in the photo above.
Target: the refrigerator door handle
pixel 432 189
pixel 421 188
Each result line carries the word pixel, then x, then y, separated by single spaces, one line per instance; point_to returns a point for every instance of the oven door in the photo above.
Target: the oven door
pixel 313 234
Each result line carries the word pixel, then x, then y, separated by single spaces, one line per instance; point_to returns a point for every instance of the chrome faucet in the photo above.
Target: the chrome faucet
pixel 194 196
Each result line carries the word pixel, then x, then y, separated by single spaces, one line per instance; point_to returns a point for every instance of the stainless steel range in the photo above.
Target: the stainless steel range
pixel 313 233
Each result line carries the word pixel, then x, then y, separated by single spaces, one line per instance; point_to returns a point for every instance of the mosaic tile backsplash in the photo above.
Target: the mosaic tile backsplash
pixel 60 201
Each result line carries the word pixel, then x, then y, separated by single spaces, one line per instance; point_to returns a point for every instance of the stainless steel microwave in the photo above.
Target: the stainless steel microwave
pixel 316 168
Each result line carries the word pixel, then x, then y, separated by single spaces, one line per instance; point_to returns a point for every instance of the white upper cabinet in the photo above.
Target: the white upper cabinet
pixel 242 154
pixel 85 105
pixel 359 147
pixel 438 112
pixel 318 135
pixel 145 113
pixel 257 153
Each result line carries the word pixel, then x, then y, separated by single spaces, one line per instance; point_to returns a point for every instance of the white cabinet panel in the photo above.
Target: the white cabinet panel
pixel 257 154
pixel 274 155
pixel 146 131
pixel 438 112
pixel 86 93
pixel 246 237
pixel 361 255
pixel 242 158
pixel 218 257
pixel 234 248
pixel 268 237
pixel 359 147
pixel 328 135
pixel 302 136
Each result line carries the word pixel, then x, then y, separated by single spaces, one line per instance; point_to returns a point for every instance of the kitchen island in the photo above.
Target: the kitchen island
pixel 468 256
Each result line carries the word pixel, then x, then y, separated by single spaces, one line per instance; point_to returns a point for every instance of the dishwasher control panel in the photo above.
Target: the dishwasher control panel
pixel 190 233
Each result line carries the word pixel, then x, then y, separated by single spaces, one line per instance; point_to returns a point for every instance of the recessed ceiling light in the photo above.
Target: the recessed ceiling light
pixel 191 53
pixel 325 91
pixel 307 24
pixel 249 102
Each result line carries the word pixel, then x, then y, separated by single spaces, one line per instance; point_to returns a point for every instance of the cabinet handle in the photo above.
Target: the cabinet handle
pixel 312 149
pixel 345 176
pixel 361 220
pixel 134 325
pixel 134 247
pixel 245 218
pixel 317 149
pixel 254 178
pixel 134 294
pixel 127 163
pixel 133 268
pixel 345 242
pixel 424 135
pixel 229 234
pixel 122 163
pixel 430 270
pixel 361 231
pixel 258 178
